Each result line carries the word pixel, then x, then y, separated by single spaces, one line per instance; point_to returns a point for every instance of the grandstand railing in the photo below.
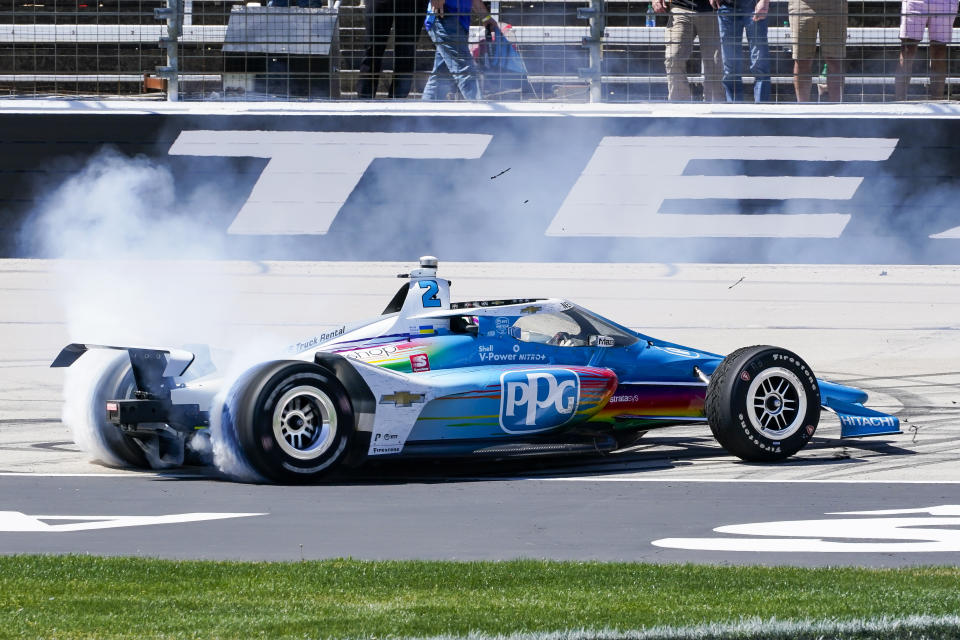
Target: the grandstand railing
pixel 114 48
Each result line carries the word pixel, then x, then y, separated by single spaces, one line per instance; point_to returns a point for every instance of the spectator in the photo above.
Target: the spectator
pixel 937 16
pixel 829 17
pixel 448 24
pixel 380 16
pixel 735 17
pixel 688 19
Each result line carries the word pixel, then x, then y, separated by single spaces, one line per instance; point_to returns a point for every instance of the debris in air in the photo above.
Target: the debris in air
pixel 501 173
pixel 915 428
pixel 737 282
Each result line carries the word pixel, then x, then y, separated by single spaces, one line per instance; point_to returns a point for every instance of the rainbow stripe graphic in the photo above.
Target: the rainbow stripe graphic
pixel 654 401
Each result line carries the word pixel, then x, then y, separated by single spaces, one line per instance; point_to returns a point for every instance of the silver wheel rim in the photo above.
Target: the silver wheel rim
pixel 304 422
pixel 776 403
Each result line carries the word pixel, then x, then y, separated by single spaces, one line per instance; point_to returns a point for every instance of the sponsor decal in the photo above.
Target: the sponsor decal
pixel 489 355
pixel 402 398
pixel 385 443
pixel 868 421
pixel 419 362
pixel 426 330
pixel 538 400
pixel 605 341
pixel 385 437
pixel 502 325
pixel 624 398
pixel 382 450
pixel 745 376
pixel 315 340
pixel 886 531
pixel 473 304
pixel 373 352
pixel 531 309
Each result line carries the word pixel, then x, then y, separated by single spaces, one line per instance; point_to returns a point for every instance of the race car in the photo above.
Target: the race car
pixel 430 378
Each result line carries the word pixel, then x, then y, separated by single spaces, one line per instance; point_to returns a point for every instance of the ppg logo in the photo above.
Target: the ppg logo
pixel 539 400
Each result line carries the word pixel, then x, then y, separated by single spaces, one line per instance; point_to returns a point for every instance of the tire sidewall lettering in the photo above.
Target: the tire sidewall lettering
pixel 257 399
pixel 729 416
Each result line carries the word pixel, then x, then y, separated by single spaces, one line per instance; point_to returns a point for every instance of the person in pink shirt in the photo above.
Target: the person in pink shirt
pixel 937 17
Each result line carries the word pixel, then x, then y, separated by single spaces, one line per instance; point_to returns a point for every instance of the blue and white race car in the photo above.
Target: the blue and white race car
pixel 432 378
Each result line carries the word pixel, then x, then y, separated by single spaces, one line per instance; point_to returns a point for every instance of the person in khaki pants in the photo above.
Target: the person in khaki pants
pixel 689 19
pixel 829 17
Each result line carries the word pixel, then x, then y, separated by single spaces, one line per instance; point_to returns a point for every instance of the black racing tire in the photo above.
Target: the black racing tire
pixel 763 403
pixel 294 420
pixel 102 375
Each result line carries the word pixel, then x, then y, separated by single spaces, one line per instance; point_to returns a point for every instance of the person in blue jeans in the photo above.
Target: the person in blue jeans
pixel 735 17
pixel 448 24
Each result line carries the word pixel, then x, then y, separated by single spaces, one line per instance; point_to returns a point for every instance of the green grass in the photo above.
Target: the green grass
pixel 94 597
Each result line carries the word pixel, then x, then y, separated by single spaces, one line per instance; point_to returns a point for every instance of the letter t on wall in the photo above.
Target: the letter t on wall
pixel 311 174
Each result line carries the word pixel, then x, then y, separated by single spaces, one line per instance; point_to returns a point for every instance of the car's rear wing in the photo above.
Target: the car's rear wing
pixel 153 368
pixel 175 361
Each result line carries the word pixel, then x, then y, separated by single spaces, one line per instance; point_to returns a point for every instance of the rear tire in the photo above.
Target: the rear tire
pixel 293 420
pixel 763 403
pixel 98 376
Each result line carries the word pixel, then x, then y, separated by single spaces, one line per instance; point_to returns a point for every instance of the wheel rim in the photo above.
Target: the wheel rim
pixel 776 403
pixel 304 422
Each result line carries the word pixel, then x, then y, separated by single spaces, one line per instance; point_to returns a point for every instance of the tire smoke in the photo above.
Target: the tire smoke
pixel 131 277
pixel 84 384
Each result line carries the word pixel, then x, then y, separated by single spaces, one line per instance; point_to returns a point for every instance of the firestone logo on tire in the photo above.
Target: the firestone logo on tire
pixel 538 400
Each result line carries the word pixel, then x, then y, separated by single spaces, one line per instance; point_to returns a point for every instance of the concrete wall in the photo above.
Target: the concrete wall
pixel 486 185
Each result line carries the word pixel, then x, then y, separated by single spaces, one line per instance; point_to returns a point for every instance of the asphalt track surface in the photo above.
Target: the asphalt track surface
pixel 892 330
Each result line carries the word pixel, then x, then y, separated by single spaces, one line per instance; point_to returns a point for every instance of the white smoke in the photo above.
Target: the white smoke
pixel 83 384
pixel 139 266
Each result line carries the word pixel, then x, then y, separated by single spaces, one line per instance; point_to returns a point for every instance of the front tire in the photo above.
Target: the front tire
pixel 294 420
pixel 763 403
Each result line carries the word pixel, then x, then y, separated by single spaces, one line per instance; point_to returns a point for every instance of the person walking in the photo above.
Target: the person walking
pixel 736 17
pixel 448 25
pixel 690 19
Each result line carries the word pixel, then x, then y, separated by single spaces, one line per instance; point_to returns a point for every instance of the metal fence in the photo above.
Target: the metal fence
pixel 572 50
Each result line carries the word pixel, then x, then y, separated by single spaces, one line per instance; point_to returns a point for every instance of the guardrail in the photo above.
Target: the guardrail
pixel 214 34
pixel 604 55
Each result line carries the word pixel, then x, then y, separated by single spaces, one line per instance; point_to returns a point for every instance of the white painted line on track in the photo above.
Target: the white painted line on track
pixel 16 521
pixel 935 531
pixel 732 480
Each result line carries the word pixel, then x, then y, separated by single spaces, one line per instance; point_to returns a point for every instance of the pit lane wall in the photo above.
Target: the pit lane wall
pixel 486 182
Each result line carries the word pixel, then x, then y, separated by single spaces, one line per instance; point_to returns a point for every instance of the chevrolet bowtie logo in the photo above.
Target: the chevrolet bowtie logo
pixel 531 309
pixel 402 398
